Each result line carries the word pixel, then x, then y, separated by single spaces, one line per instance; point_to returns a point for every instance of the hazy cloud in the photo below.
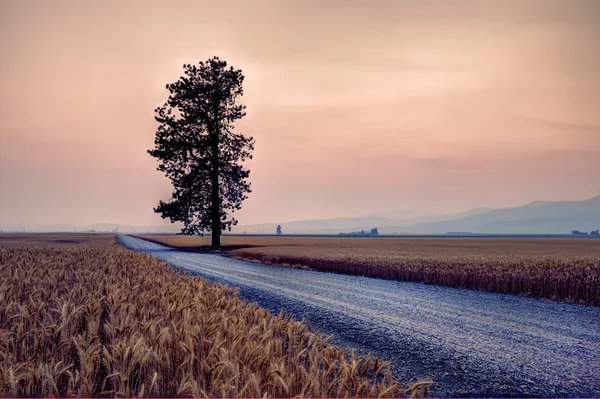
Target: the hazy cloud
pixel 356 106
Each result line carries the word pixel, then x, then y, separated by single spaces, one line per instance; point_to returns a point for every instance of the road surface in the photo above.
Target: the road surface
pixel 471 343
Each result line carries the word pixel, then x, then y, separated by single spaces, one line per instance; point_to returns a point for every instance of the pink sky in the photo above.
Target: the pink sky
pixel 356 107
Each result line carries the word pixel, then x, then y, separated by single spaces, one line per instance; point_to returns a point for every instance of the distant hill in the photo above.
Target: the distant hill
pixel 535 217
pixel 400 214
pixel 443 217
pixel 560 224
pixel 539 217
pixel 346 225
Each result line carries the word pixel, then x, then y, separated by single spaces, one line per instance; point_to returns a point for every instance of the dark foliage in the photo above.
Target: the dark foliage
pixel 198 150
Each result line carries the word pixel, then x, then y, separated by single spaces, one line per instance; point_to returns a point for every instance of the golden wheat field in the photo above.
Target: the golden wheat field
pixel 54 239
pixel 197 243
pixel 89 320
pixel 566 269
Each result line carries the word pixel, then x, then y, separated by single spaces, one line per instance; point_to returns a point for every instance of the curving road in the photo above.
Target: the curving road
pixel 471 343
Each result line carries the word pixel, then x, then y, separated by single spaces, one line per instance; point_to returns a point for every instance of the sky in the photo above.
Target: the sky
pixel 356 106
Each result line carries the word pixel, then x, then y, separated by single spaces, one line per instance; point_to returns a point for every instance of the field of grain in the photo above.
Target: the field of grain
pixel 54 239
pixel 228 243
pixel 566 269
pixel 91 320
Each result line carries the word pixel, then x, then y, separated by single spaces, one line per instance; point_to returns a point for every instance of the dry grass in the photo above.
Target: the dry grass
pixel 558 269
pixel 44 239
pixel 566 269
pixel 83 320
pixel 197 243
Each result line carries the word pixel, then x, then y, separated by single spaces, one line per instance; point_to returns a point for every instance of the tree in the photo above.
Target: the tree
pixel 198 150
pixel 279 230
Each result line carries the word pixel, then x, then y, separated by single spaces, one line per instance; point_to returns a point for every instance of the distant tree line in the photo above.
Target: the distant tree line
pixel 373 232
pixel 584 233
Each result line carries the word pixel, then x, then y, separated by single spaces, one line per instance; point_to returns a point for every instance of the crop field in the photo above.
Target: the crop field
pixel 98 319
pixel 228 243
pixel 566 269
pixel 54 239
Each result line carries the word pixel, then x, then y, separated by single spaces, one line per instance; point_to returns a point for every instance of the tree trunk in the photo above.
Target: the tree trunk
pixel 216 200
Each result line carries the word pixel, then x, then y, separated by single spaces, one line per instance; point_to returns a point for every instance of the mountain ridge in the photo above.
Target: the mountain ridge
pixel 553 217
pixel 533 217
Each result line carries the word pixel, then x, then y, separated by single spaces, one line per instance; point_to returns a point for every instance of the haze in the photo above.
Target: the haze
pixel 356 107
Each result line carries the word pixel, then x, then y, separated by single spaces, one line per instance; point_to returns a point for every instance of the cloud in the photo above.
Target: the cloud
pixel 407 100
pixel 590 130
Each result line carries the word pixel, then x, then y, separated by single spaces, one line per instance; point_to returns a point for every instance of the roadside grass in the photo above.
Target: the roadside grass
pixel 561 269
pixel 90 320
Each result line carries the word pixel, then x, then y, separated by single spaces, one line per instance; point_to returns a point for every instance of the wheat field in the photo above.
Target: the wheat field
pixel 55 239
pixel 564 269
pixel 84 320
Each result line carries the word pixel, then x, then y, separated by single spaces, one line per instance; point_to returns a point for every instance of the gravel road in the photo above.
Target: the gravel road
pixel 471 343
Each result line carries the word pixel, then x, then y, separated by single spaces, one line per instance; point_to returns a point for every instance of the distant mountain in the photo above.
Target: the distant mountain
pixel 537 203
pixel 539 217
pixel 560 224
pixel 444 217
pixel 536 217
pixel 417 217
pixel 400 214
pixel 346 225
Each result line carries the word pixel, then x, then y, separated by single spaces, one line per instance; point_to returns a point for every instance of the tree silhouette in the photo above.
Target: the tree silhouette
pixel 198 150
pixel 279 229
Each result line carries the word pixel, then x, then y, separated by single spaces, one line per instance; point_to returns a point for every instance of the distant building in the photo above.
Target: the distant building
pixel 595 233
pixel 373 232
pixel 579 233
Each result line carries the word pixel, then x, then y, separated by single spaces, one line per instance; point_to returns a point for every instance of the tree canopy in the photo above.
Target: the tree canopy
pixel 199 151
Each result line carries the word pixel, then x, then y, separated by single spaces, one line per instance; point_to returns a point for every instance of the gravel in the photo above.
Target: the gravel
pixel 470 343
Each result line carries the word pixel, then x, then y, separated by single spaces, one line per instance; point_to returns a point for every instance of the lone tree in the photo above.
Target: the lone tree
pixel 198 150
pixel 279 230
